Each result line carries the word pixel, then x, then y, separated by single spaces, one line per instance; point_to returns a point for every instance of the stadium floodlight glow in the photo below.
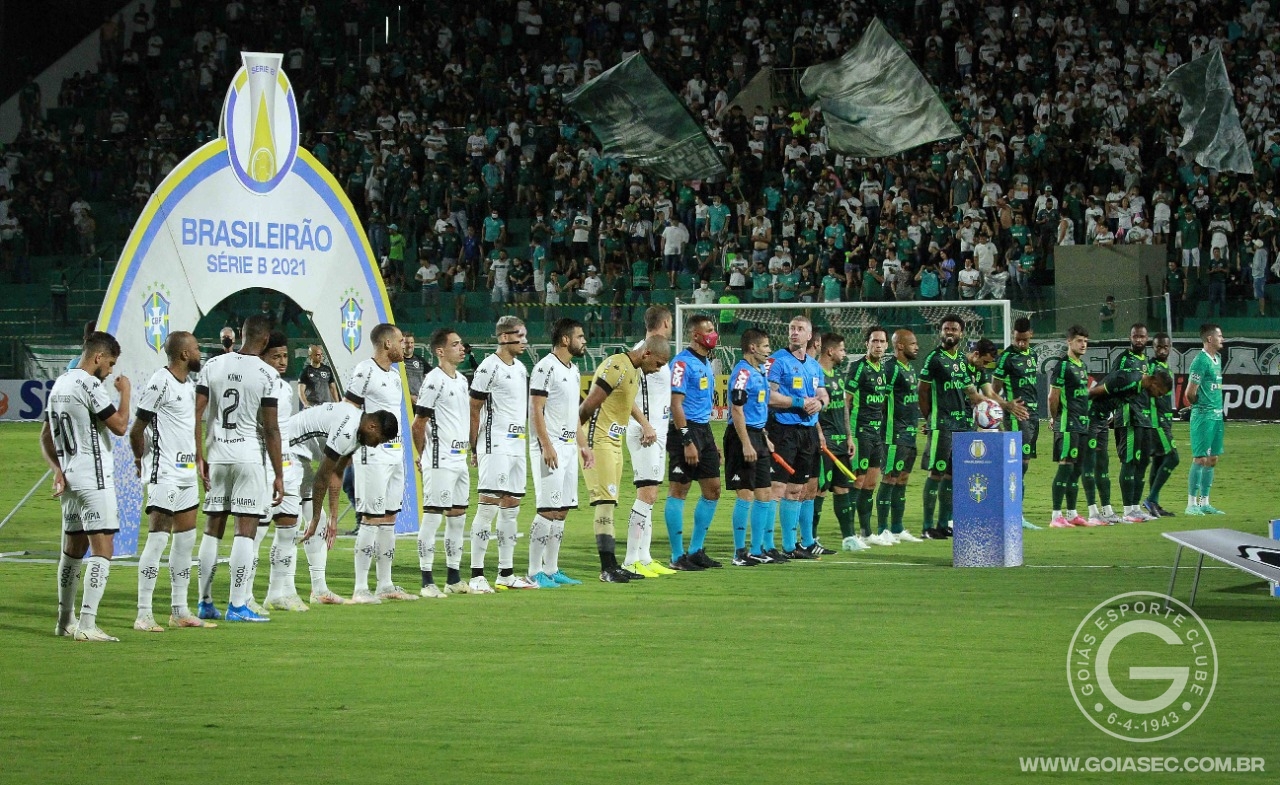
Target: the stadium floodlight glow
pixel 978 315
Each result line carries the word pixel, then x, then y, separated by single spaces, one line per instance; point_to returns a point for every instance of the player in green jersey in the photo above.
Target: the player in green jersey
pixel 1164 455
pixel 903 420
pixel 1204 393
pixel 834 421
pixel 1069 407
pixel 869 395
pixel 949 389
pixel 1135 431
pixel 1016 376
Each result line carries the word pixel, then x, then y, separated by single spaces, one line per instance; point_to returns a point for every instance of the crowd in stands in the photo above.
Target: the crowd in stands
pixel 444 123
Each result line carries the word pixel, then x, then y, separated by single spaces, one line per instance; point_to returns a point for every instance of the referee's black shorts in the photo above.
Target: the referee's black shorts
pixel 708 454
pixel 798 446
pixel 740 475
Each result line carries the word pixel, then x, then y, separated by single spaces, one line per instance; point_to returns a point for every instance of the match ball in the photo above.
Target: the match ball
pixel 988 415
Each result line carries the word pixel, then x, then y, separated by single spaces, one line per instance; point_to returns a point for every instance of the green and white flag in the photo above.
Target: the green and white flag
pixel 875 101
pixel 1211 132
pixel 637 119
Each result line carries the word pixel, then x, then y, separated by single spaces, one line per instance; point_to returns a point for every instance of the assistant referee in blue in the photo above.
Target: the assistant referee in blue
pixel 691 446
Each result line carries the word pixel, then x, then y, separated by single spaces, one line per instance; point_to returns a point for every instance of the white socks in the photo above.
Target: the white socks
pixel 454 526
pixel 284 552
pixel 241 563
pixel 208 565
pixel 539 536
pixel 637 523
pixel 508 522
pixel 385 541
pixel 428 527
pixel 366 543
pixel 1093 511
pixel 551 558
pixel 259 535
pixel 68 578
pixel 317 550
pixel 481 531
pixel 96 570
pixel 149 568
pixel 180 571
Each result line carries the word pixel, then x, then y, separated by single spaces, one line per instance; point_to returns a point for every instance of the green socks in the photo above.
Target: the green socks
pixel 1061 480
pixel 885 495
pixel 930 500
pixel 844 513
pixel 899 506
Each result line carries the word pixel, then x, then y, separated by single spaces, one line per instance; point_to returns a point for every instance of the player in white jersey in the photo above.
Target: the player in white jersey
pixel 282 558
pixel 646 445
pixel 376 386
pixel 499 430
pixel 555 388
pixel 238 389
pixel 164 452
pixel 330 433
pixel 73 441
pixel 441 431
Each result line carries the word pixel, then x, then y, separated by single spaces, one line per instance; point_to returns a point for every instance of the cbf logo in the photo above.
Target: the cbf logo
pixel 260 123
pixel 155 318
pixel 352 321
pixel 978 487
pixel 1142 666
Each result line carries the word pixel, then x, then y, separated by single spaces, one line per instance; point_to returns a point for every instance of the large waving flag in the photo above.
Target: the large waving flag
pixel 636 118
pixel 875 101
pixel 1211 132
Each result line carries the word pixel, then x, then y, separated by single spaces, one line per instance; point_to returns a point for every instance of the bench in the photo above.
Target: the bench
pixel 1258 556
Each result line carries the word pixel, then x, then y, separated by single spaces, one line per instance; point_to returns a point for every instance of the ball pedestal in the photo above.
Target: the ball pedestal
pixel 987 499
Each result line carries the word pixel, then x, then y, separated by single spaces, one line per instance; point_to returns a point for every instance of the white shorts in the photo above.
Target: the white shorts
pixel 1191 257
pixel 555 489
pixel 1160 226
pixel 298 479
pixel 447 486
pixel 379 488
pixel 238 489
pixel 89 511
pixel 171 499
pixel 648 464
pixel 502 475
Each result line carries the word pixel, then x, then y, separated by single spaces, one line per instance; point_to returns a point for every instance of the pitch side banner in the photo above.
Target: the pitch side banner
pixel 250 209
pixel 1250 371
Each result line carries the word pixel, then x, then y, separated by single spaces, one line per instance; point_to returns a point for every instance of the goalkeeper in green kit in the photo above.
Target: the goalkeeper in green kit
pixel 1204 393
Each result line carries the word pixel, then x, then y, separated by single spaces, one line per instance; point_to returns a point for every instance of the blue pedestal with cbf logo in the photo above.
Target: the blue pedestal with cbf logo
pixel 987 499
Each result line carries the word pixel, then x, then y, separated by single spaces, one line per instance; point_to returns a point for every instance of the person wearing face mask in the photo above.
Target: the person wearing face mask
pixel 704 294
pixel 227 338
pixel 692 447
pixel 74 443
pixel 164 447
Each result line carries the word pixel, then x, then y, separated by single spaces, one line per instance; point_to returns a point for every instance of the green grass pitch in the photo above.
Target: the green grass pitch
pixel 887 666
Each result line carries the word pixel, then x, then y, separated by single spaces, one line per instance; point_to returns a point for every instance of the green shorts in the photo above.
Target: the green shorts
pixel 1068 447
pixel 1207 433
pixel 901 457
pixel 1030 428
pixel 1134 444
pixel 1164 444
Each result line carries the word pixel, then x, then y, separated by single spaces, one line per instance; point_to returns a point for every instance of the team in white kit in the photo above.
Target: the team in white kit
pixel 259 460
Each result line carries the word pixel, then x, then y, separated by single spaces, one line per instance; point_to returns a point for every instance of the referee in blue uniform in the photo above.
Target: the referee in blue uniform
pixel 691 446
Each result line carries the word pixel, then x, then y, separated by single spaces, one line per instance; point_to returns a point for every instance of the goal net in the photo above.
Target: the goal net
pixel 982 319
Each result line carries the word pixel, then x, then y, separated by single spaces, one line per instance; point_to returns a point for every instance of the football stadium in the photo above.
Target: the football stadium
pixel 554 391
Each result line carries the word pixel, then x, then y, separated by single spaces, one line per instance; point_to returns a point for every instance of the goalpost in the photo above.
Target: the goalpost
pixel 982 318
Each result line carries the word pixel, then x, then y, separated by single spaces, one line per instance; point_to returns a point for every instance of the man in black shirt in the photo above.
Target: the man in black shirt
pixel 316 382
pixel 415 368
